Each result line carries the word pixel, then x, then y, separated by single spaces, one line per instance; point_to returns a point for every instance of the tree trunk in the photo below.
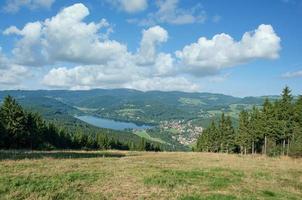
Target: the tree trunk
pixel 265 144
pixel 244 150
pixel 227 150
pixel 287 149
pixel 283 148
pixel 253 147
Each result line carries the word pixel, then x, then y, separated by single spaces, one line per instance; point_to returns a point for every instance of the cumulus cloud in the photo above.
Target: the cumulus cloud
pixel 65 37
pixel 85 57
pixel 145 70
pixel 3 60
pixel 130 6
pixel 170 12
pixel 87 77
pixel 151 37
pixel 13 75
pixel 10 73
pixel 13 6
pixel 292 74
pixel 208 56
pixel 164 84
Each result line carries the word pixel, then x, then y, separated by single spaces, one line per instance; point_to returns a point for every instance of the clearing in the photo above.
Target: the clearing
pixel 144 175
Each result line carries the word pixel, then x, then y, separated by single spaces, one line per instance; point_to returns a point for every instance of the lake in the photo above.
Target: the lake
pixel 110 123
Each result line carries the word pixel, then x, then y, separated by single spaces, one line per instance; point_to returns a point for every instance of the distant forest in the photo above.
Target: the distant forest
pixel 274 129
pixel 21 129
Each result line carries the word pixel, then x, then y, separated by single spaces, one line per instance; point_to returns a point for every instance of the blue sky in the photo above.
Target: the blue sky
pixel 241 48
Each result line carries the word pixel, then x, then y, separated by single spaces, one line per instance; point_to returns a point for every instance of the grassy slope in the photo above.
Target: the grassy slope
pixel 145 135
pixel 89 175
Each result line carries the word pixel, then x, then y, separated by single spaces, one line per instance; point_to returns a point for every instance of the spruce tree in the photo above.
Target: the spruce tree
pixel 243 137
pixel 229 135
pixel 14 121
pixel 285 117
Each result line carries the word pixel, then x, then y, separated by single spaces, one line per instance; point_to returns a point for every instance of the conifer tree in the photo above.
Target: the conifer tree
pixel 229 135
pixel 14 120
pixel 243 138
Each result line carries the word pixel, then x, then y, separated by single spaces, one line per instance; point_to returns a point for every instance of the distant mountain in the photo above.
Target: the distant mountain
pixel 153 107
pixel 131 105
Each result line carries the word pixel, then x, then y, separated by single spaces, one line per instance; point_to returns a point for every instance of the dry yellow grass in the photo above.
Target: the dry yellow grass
pixel 150 176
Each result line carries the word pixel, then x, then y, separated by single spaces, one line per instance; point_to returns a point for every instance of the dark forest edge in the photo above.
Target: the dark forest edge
pixel 274 129
pixel 21 129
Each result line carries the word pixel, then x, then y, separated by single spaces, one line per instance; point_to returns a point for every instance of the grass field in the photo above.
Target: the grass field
pixel 144 134
pixel 136 175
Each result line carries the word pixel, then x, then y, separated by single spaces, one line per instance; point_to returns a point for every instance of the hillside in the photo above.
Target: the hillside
pixel 141 175
pixel 178 116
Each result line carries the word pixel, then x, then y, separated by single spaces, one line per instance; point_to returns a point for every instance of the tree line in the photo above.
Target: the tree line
pixel 21 129
pixel 273 129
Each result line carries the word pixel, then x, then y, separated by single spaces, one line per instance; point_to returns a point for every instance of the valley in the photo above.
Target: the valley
pixel 173 119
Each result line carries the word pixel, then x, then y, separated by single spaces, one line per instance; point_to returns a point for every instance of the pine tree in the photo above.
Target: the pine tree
pixel 3 135
pixel 203 141
pixel 296 145
pixel 229 135
pixel 285 117
pixel 14 121
pixel 243 137
pixel 268 116
pixel 222 129
pixel 142 145
pixel 256 130
pixel 214 142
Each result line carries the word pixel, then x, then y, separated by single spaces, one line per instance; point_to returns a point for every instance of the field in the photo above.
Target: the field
pixel 137 175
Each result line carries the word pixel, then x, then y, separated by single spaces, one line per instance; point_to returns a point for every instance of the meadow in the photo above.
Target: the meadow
pixel 147 175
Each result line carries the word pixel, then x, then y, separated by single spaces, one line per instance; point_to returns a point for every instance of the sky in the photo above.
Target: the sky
pixel 234 47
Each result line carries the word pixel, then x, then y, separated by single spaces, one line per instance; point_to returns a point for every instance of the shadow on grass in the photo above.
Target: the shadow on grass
pixel 19 155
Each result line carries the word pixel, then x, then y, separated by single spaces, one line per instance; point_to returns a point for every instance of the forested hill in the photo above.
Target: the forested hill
pixel 132 105
pixel 178 116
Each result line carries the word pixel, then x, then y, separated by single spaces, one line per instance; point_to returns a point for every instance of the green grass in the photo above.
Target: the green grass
pixel 209 197
pixel 191 101
pixel 55 186
pixel 144 134
pixel 213 178
pixel 146 175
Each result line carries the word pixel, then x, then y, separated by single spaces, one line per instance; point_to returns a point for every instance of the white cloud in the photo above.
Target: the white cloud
pixel 292 74
pixel 87 58
pixel 65 37
pixel 13 6
pixel 208 56
pixel 219 78
pixel 130 6
pixel 11 74
pixel 170 12
pixel 3 60
pixel 151 37
pixel 87 77
pixel 164 84
pixel 28 50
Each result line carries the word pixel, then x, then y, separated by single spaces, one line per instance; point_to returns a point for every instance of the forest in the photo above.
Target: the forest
pixel 273 129
pixel 21 129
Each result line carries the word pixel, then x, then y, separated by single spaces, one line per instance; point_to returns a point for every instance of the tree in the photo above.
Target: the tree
pixel 296 145
pixel 256 130
pixel 285 117
pixel 229 135
pixel 272 130
pixel 14 121
pixel 3 135
pixel 213 143
pixel 243 137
